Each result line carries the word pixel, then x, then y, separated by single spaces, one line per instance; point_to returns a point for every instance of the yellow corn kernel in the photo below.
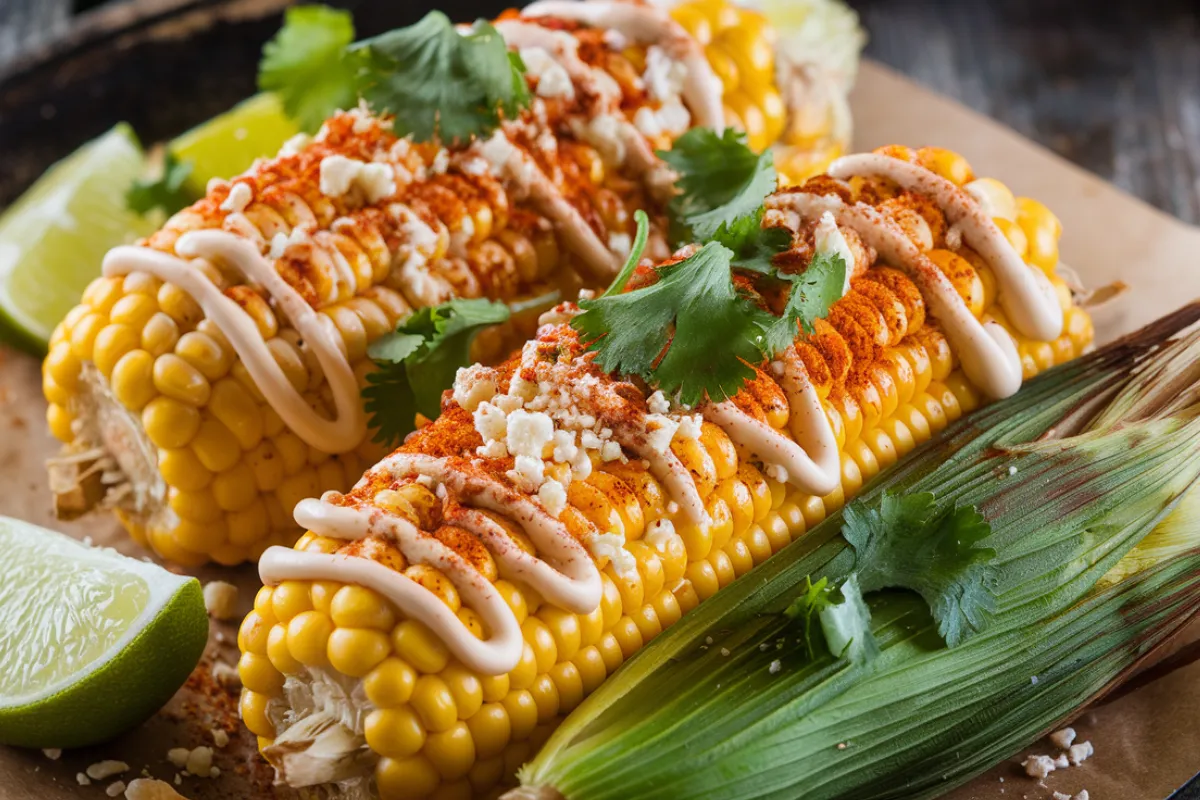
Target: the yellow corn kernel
pixel 451 751
pixel 160 334
pixel 254 714
pixel 169 423
pixel 404 778
pixel 390 684
pixel 253 632
pixel 1016 236
pixel 258 674
pixel 308 638
pixel 102 292
pixel 419 646
pixel 134 310
pixel 994 197
pixel 215 446
pixel 233 489
pixel 695 22
pixel 112 342
pixel 356 651
pixel 233 406
pixel 60 420
pixel 132 380
pixel 246 525
pixel 725 68
pixel 751 52
pixel 178 379
pixel 182 469
pixel 84 333
pixel 1042 229
pixel 434 703
pixel 465 687
pixel 950 165
pixel 289 599
pixel 358 607
pixel 204 353
pixel 394 732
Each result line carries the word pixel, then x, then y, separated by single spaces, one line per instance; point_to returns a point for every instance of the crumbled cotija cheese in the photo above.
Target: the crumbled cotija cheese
pixel 1078 753
pixel 474 385
pixel 220 599
pixel 1064 738
pixel 339 174
pixel 240 195
pixel 106 769
pixel 612 547
pixel 553 496
pixel 1038 766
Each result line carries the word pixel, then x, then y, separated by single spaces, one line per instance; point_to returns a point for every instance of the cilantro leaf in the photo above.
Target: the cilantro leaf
pixel 753 245
pixel 691 332
pixel 720 181
pixel 166 191
pixel 440 83
pixel 910 541
pixel 307 66
pixel 635 254
pixel 811 294
pixel 418 361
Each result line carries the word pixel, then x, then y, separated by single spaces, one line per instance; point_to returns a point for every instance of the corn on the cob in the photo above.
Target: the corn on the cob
pixel 672 510
pixel 735 704
pixel 165 417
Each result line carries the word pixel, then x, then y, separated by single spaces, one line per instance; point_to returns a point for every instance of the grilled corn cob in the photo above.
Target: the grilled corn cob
pixel 163 416
pixel 453 683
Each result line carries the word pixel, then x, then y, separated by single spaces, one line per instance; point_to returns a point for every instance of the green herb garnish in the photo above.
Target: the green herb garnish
pixel 167 191
pixel 307 65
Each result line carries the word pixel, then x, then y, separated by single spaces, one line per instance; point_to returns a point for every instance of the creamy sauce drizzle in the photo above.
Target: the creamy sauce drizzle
pixel 647 24
pixel 337 435
pixel 988 353
pixel 1025 293
pixel 566 574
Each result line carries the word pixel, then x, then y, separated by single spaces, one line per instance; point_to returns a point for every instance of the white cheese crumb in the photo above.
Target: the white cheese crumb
pixel 115 789
pixel 1061 762
pixel 106 769
pixel 199 761
pixel 529 433
pixel 776 665
pixel 1038 766
pixel 612 547
pixel 658 403
pixel 240 195
pixel 553 496
pixel 1082 795
pixel 280 242
pixel 672 507
pixel 603 132
pixel 553 80
pixel 178 756
pixel 660 430
pixel 1033 679
pixel 441 162
pixel 1012 470
pixel 1061 796
pixel 220 737
pixel 664 76
pixel 226 676
pixel 777 472
pixel 660 534
pixel 611 451
pixel 339 174
pixel 1064 738
pixel 220 599
pixel 565 450
pixel 295 144
pixel 82 780
pixel 491 422
pixel 689 427
pixel 52 753
pixel 474 385
pixel 1079 753
pixel 493 449
pixel 528 473
pixel 724 651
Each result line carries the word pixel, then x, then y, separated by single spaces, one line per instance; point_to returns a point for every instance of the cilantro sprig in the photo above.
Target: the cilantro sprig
pixel 167 191
pixel 306 64
pixel 418 361
pixel 437 82
pixel 693 331
pixel 912 541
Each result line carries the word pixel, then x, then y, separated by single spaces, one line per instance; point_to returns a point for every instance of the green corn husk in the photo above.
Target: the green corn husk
pixel 1103 448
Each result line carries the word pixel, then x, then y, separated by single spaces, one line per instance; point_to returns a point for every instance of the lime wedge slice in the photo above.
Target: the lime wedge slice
pixel 228 143
pixel 91 642
pixel 53 238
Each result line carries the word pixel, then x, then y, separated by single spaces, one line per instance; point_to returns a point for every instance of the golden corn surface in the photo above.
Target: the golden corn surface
pixel 888 380
pixel 211 472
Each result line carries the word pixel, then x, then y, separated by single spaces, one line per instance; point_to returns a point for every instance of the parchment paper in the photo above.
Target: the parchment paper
pixel 1146 737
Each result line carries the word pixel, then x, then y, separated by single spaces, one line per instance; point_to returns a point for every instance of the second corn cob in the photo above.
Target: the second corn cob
pixel 443 716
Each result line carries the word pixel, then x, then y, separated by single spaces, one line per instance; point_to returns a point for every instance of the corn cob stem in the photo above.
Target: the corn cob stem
pixel 886 380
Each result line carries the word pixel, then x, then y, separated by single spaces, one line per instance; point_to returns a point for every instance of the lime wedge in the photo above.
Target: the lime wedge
pixel 228 143
pixel 53 238
pixel 91 642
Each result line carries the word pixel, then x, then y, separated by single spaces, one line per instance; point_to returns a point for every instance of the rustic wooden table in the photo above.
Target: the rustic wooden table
pixel 1112 85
